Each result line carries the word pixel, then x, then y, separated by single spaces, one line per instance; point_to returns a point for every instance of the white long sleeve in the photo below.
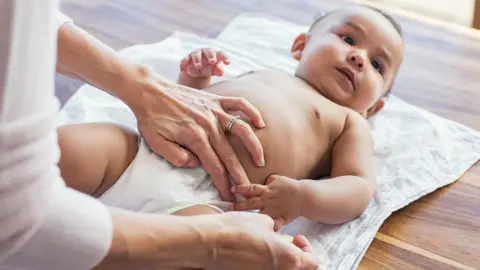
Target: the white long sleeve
pixel 42 226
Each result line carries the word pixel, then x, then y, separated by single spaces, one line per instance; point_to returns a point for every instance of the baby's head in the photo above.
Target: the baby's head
pixel 351 56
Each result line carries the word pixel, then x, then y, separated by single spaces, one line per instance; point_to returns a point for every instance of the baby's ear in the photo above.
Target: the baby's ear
pixel 378 106
pixel 299 45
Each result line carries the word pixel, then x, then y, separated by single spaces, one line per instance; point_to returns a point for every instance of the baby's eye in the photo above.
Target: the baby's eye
pixel 349 40
pixel 377 66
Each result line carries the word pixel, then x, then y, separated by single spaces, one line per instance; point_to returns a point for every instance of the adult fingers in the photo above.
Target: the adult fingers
pixel 250 190
pixel 172 152
pixel 279 223
pixel 247 136
pixel 200 145
pixel 226 152
pixel 241 104
pixel 250 204
pixel 308 260
pixel 302 242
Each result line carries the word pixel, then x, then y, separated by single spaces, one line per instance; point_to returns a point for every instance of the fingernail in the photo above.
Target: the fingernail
pixel 192 163
pixel 262 123
pixel 211 60
pixel 261 162
pixel 232 189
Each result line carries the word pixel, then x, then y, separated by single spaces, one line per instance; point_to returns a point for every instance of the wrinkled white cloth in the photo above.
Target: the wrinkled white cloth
pixel 416 152
pixel 151 184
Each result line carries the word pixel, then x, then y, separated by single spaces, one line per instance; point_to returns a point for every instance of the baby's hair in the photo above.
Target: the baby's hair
pixel 395 24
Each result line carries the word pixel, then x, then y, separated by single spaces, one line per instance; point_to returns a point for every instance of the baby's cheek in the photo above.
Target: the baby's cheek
pixel 326 51
pixel 376 85
pixel 332 53
pixel 366 99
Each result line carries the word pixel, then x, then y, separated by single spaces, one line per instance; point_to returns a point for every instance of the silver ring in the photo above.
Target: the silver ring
pixel 228 129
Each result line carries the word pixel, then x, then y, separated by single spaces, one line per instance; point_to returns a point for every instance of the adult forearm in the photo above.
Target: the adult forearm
pixel 86 58
pixel 335 200
pixel 143 241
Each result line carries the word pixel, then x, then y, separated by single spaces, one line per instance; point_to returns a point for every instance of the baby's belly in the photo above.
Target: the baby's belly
pixel 291 140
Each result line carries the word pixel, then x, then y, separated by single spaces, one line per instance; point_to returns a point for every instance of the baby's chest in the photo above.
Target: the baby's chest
pixel 326 124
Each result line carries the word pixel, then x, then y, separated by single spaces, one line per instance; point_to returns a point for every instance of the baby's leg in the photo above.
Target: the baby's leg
pixel 94 155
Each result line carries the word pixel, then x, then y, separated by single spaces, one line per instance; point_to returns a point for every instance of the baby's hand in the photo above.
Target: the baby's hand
pixel 204 63
pixel 280 198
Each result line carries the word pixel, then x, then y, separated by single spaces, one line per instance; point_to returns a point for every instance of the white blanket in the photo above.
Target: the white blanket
pixel 416 152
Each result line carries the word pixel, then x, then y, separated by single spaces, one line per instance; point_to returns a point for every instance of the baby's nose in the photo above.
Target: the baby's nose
pixel 356 61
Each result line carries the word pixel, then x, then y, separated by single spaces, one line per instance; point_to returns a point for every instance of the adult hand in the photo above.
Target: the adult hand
pixel 170 117
pixel 231 241
pixel 247 241
pixel 182 124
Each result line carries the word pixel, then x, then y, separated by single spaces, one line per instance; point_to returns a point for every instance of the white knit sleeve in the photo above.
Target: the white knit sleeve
pixel 42 226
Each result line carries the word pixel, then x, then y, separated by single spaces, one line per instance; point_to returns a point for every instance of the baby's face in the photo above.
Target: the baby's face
pixel 351 57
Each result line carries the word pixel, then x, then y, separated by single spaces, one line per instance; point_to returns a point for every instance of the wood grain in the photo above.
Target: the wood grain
pixel 476 15
pixel 440 73
pixel 389 253
pixel 445 223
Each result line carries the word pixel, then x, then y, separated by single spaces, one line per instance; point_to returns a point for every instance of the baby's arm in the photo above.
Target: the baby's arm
pixel 197 68
pixel 347 193
pixel 338 199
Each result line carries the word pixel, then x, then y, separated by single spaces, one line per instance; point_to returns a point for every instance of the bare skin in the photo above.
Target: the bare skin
pixel 315 125
pixel 292 110
pixel 283 100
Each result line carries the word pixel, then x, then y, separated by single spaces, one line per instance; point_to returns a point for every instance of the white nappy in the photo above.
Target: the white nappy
pixel 151 184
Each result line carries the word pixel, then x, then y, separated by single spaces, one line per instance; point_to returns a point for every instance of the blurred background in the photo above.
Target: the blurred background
pixel 459 12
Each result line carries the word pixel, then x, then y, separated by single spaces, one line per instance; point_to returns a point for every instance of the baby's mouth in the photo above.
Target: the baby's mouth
pixel 349 77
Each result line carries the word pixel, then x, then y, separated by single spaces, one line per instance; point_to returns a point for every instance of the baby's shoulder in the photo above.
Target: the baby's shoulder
pixel 356 126
pixel 341 119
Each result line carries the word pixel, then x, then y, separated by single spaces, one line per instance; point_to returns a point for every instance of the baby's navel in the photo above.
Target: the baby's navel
pixel 316 112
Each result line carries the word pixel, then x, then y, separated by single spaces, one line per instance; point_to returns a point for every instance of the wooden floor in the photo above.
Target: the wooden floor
pixel 441 73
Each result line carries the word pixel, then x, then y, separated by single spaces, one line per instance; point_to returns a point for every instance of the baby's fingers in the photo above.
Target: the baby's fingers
pixel 211 55
pixel 192 71
pixel 218 69
pixel 197 58
pixel 208 70
pixel 222 58
pixel 186 61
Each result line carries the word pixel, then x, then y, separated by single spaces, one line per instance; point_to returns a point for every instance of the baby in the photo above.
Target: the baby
pixel 315 128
